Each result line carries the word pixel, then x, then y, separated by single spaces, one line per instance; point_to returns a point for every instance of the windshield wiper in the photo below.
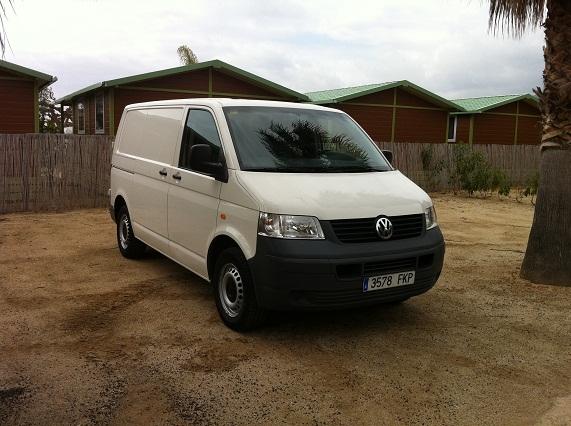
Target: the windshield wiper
pixel 314 169
pixel 354 170
pixel 288 169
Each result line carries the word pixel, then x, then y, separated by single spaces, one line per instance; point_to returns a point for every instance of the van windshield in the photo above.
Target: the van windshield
pixel 298 140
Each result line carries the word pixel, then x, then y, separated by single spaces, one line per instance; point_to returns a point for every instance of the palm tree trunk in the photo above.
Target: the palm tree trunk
pixel 548 256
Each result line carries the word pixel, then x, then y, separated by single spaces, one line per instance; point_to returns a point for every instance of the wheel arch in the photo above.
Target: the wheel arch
pixel 218 244
pixel 118 202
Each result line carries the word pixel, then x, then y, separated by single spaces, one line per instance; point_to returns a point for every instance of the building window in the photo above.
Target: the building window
pixel 452 123
pixel 99 107
pixel 80 118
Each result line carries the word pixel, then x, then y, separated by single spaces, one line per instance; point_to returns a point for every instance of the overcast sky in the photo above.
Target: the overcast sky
pixel 442 45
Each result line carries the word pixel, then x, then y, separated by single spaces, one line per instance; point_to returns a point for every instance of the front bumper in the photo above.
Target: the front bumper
pixel 326 274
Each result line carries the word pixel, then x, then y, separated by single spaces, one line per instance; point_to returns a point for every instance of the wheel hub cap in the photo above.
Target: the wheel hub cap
pixel 124 232
pixel 231 290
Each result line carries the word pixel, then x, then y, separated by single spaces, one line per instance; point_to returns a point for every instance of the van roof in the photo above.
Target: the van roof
pixel 222 102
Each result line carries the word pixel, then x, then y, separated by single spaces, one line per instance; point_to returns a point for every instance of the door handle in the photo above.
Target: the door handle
pixel 163 172
pixel 177 176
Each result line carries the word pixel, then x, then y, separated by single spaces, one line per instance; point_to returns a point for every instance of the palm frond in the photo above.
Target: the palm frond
pixel 3 15
pixel 516 16
pixel 3 35
pixel 186 55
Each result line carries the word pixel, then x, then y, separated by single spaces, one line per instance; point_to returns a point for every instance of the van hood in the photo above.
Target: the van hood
pixel 331 196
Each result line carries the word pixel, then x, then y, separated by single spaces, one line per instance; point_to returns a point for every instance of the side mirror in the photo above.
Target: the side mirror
pixel 388 155
pixel 201 161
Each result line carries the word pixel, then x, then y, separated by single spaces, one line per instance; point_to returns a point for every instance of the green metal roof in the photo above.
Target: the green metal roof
pixel 332 95
pixel 485 103
pixel 216 64
pixel 43 79
pixel 346 93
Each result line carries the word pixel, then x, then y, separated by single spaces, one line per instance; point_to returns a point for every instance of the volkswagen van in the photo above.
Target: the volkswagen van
pixel 279 205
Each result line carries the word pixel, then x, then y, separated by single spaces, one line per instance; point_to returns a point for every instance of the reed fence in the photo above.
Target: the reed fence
pixel 56 172
pixel 40 172
pixel 519 162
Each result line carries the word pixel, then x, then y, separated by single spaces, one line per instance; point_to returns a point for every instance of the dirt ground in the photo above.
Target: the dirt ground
pixel 88 337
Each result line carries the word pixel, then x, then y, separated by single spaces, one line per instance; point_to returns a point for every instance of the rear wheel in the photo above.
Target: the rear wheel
pixel 129 246
pixel 234 292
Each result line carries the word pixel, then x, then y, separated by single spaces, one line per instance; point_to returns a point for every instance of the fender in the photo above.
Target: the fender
pixel 239 223
pixel 121 180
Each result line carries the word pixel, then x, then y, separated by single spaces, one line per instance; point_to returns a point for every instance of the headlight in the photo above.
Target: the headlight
pixel 430 216
pixel 288 226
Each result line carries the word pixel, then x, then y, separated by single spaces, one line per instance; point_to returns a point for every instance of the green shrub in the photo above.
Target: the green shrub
pixel 500 182
pixel 530 189
pixel 531 185
pixel 431 168
pixel 471 172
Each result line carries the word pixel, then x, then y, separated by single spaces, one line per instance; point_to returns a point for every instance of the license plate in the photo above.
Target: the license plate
pixel 381 282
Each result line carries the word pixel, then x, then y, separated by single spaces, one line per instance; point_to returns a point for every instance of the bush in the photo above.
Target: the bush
pixel 500 182
pixel 431 168
pixel 471 172
pixel 530 189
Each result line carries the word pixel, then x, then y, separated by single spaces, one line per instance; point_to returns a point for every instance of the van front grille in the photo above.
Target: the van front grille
pixel 363 230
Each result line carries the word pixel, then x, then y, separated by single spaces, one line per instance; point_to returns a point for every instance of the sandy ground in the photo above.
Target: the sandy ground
pixel 87 337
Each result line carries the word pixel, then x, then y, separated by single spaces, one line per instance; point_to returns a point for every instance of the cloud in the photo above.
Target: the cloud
pixel 443 45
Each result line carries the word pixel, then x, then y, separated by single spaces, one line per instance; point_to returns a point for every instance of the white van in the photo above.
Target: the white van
pixel 279 205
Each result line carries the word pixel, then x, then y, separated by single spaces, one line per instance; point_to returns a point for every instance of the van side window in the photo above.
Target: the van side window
pixel 200 129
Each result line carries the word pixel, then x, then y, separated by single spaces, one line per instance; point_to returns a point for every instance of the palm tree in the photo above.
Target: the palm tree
pixel 3 39
pixel 548 255
pixel 186 55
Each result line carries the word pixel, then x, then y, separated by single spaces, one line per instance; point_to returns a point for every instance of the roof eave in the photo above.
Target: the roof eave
pixel 402 83
pixel 260 80
pixel 367 92
pixel 324 102
pixel 158 74
pixel 217 64
pixel 525 97
pixel 433 96
pixel 47 83
pixel 44 79
pixel 466 112
pixel 68 98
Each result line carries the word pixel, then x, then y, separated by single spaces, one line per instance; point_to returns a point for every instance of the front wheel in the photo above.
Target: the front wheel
pixel 234 292
pixel 129 246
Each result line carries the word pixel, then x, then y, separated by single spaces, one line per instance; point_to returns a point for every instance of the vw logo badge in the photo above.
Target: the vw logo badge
pixel 384 228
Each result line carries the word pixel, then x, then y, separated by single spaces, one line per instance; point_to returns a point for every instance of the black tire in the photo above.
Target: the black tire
pixel 129 246
pixel 231 271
